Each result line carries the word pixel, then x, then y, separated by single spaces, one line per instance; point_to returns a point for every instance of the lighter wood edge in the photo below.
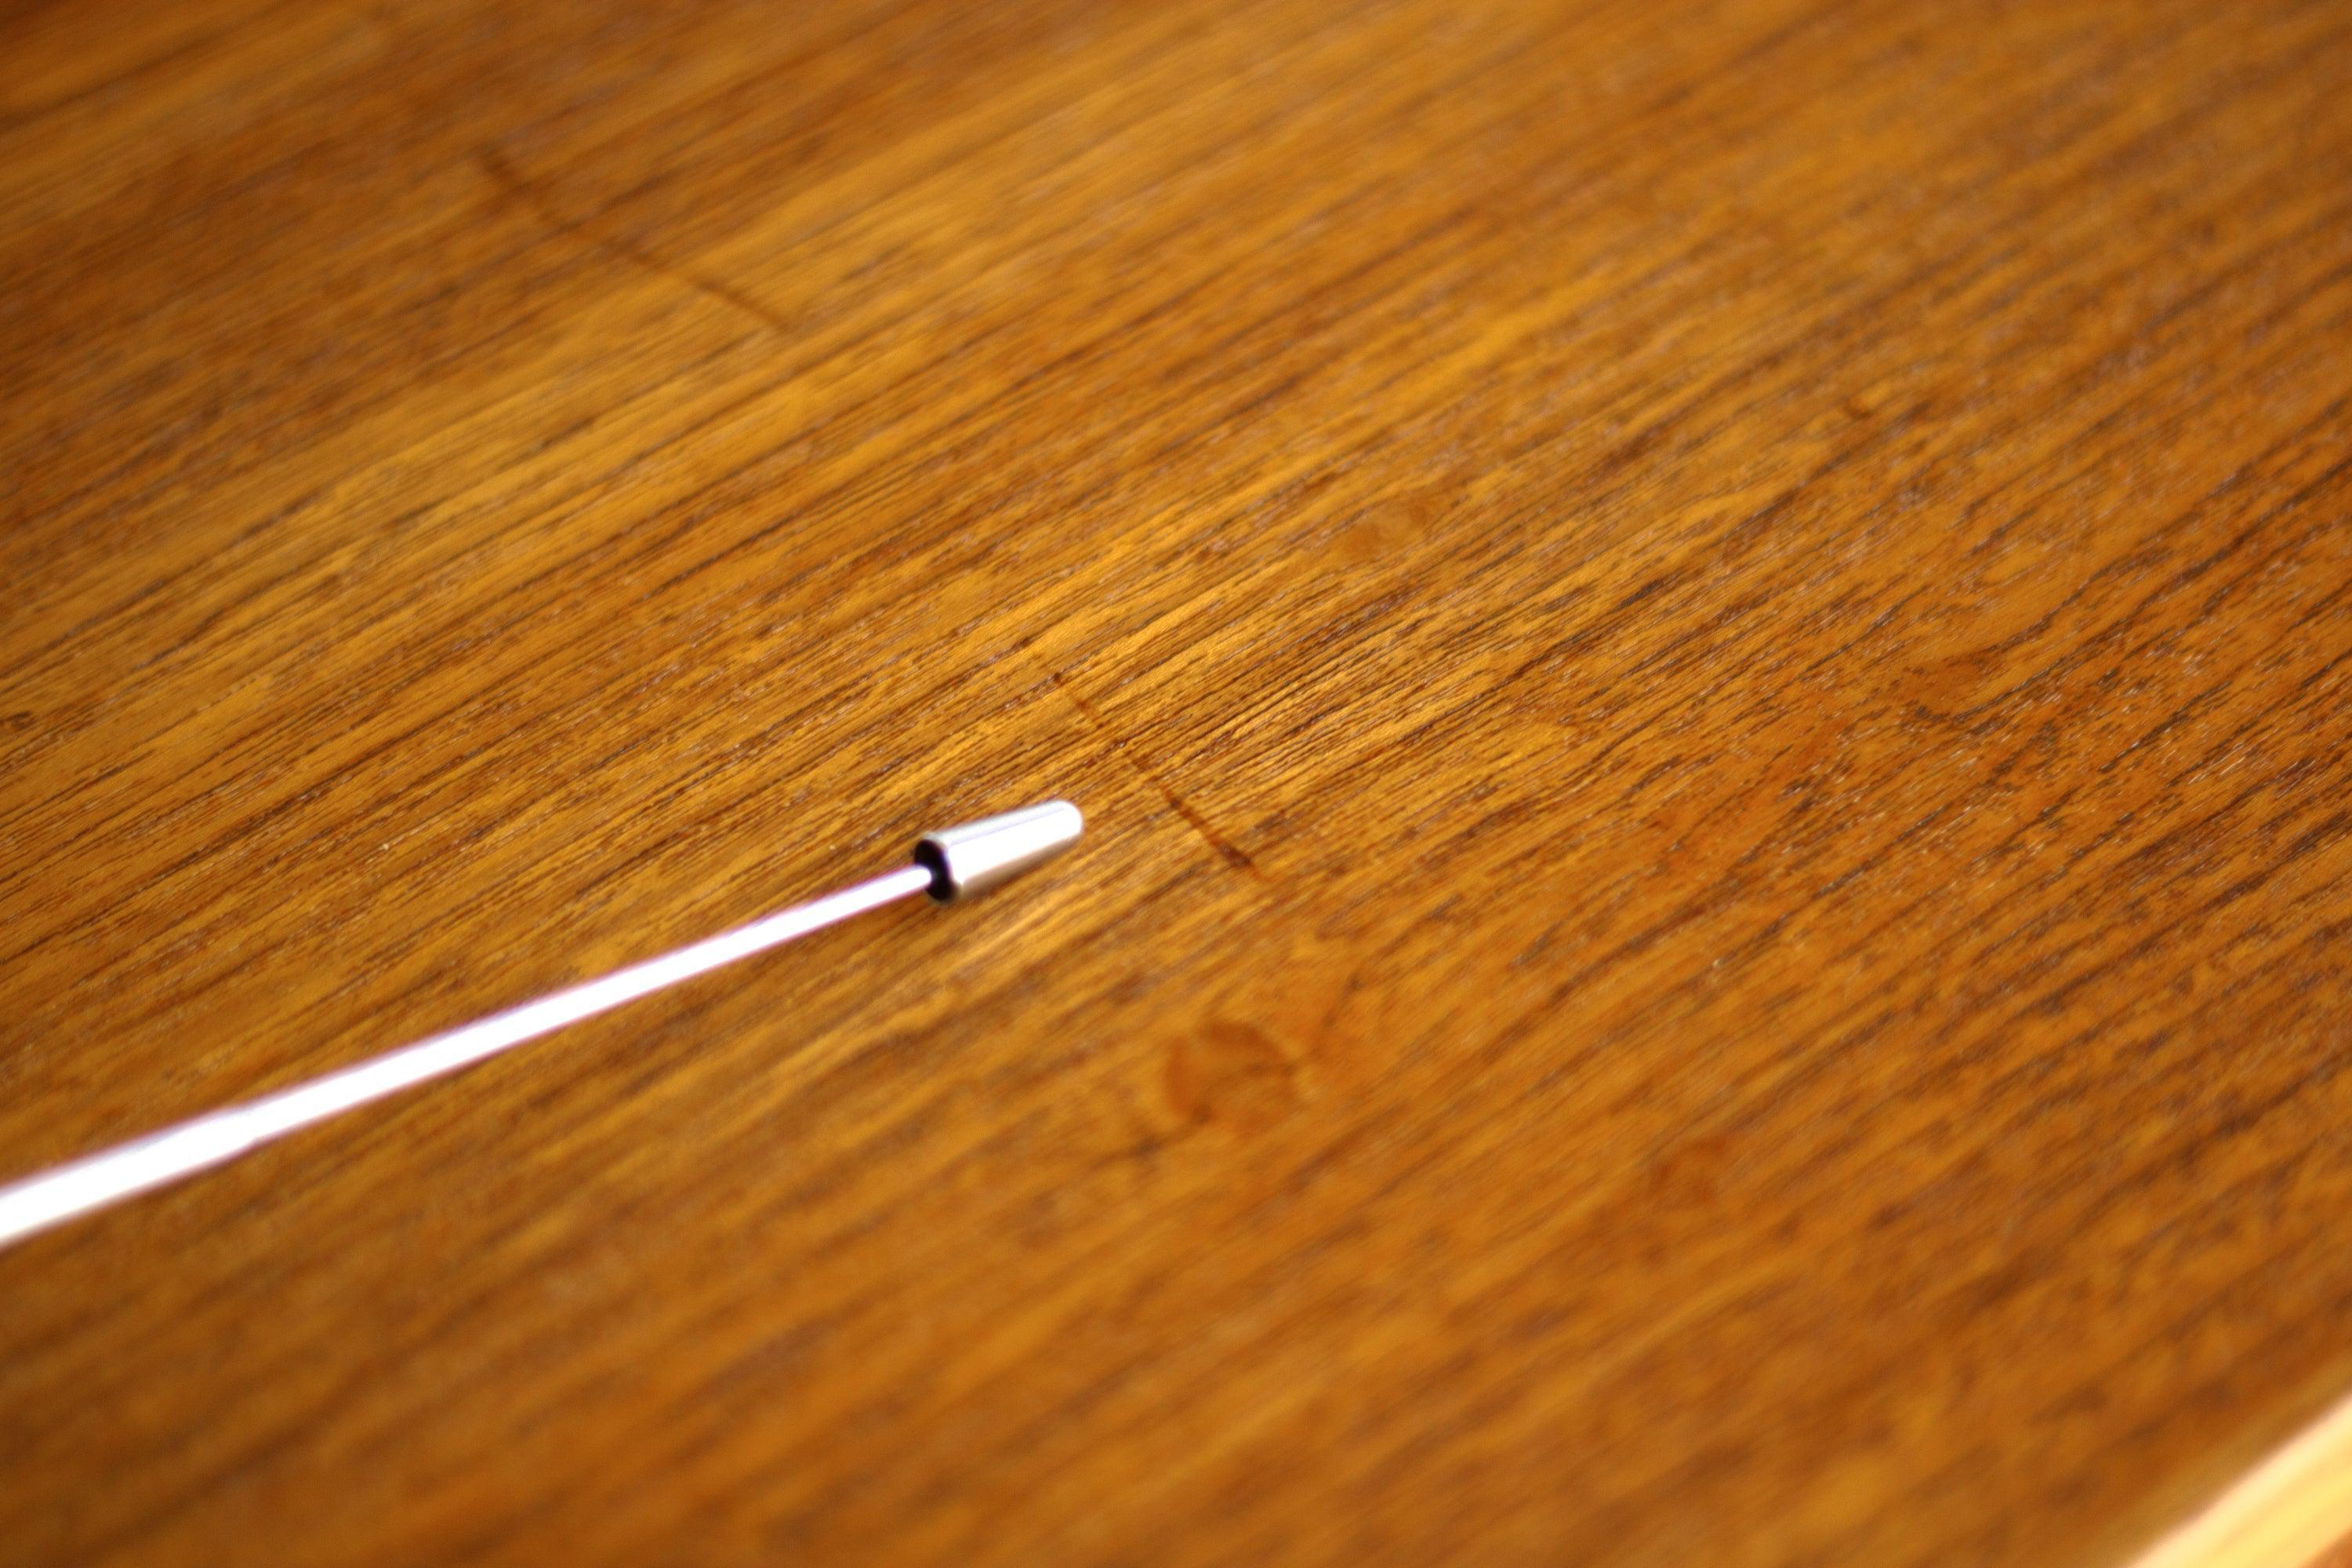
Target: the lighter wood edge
pixel 2288 1511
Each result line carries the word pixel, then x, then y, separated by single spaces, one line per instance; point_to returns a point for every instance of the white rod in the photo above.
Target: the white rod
pixel 64 1192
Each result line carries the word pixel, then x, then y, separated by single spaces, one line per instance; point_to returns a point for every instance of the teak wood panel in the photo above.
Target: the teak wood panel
pixel 1709 646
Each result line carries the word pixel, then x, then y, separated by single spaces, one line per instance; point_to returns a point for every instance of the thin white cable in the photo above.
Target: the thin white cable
pixel 64 1192
pixel 951 864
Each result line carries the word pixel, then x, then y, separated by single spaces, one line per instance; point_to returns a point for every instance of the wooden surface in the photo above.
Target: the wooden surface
pixel 1709 645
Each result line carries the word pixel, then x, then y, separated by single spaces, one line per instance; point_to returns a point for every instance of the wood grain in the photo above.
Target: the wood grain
pixel 1708 643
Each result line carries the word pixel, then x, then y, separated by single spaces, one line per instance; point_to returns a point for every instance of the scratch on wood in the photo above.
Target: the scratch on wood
pixel 1232 854
pixel 511 182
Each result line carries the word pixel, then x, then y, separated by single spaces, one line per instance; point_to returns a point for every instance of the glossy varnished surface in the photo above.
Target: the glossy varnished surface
pixel 1706 646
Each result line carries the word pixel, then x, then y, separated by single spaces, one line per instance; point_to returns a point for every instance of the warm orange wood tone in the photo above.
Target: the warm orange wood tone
pixel 1709 643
